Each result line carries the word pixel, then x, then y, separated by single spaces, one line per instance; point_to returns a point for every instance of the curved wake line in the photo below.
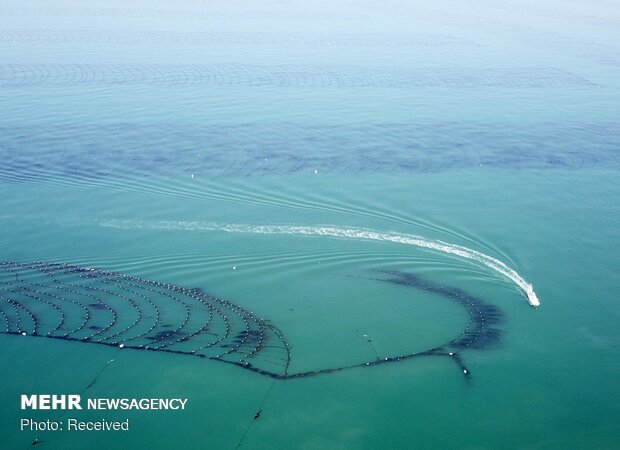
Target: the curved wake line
pixel 349 233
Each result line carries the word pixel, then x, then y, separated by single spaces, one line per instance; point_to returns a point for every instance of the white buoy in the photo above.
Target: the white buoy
pixel 121 346
pixel 234 268
pixel 316 171
pixel 451 354
pixel 23 333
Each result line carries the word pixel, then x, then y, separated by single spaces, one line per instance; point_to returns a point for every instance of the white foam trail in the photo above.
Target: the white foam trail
pixel 349 233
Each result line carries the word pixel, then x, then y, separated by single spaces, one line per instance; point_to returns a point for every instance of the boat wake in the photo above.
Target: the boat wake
pixel 338 232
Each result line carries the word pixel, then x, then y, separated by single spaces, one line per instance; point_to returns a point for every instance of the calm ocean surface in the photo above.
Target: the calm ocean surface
pixel 290 157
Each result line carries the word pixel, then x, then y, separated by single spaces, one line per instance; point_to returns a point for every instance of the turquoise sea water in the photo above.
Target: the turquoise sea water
pixel 158 139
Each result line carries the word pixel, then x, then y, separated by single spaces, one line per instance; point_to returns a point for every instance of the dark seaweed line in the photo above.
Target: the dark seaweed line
pixel 92 153
pixel 22 75
pixel 27 169
pixel 480 332
pixel 163 37
pixel 183 13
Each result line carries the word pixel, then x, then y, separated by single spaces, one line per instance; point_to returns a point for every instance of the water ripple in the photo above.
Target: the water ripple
pixel 313 76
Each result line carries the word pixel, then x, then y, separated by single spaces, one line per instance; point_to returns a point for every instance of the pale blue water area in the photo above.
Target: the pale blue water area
pixel 296 159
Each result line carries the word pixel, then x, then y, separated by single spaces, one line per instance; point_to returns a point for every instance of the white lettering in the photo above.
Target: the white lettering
pixel 29 402
pixel 136 403
pixel 31 425
pixel 50 401
pixel 44 401
pixel 58 402
pixel 74 402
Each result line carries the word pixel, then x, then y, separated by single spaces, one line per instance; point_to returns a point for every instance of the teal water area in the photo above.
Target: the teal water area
pixel 196 144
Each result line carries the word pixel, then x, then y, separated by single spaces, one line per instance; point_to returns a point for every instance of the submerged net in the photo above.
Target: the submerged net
pixel 68 302
pixel 64 301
